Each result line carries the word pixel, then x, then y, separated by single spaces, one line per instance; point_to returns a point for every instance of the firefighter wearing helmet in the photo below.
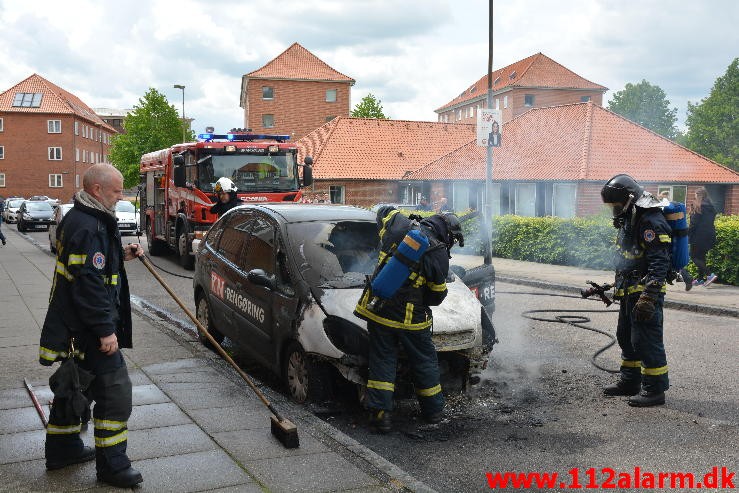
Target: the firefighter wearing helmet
pixel 644 244
pixel 405 318
pixel 225 190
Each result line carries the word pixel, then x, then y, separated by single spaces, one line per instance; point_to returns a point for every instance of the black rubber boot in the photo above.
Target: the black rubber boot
pixel 434 418
pixel 647 399
pixel 85 455
pixel 121 479
pixel 621 388
pixel 380 421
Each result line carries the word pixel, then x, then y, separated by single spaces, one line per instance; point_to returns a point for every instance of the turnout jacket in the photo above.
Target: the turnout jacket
pixel 644 245
pixel 89 294
pixel 409 308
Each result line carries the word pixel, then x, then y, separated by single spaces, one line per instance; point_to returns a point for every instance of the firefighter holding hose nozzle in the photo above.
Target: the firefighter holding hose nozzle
pixel 644 244
pixel 410 277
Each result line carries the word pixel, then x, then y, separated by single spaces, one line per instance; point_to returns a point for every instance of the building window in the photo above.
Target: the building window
pixel 564 199
pixel 268 121
pixel 528 100
pixel 330 95
pixel 505 101
pixel 77 181
pixel 55 181
pixel 76 128
pixel 329 118
pixel 2 180
pixel 584 99
pixel 525 200
pixel 77 154
pixel 675 193
pixel 268 92
pixel 497 103
pixel 336 194
pixel 1 124
pixel 55 126
pixel 55 153
pixel 2 152
pixel 27 99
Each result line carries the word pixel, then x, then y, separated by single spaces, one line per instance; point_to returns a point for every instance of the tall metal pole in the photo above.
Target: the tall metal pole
pixel 180 86
pixel 488 209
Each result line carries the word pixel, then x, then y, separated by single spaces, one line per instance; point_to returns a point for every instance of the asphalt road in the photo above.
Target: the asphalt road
pixel 539 407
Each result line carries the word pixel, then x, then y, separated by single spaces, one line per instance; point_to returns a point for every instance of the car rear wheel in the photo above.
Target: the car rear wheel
pixel 203 316
pixel 306 380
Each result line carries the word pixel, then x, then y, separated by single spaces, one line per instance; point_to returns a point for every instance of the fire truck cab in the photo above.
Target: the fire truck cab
pixel 178 184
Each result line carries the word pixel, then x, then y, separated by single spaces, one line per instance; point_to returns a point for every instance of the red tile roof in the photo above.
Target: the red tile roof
pixel 538 71
pixel 578 142
pixel 369 149
pixel 54 100
pixel 298 63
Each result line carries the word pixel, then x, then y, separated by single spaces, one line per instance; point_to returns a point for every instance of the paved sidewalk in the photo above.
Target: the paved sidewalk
pixel 196 426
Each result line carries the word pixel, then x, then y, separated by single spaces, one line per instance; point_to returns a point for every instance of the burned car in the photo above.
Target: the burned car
pixel 281 281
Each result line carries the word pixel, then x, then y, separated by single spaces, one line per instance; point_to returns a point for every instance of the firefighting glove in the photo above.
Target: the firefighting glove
pixel 645 307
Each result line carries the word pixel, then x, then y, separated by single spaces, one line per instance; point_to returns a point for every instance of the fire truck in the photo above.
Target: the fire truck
pixel 178 184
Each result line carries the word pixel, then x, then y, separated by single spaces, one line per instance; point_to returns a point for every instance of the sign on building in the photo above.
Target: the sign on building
pixel 489 128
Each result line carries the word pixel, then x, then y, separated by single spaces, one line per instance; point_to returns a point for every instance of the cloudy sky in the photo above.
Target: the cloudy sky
pixel 414 55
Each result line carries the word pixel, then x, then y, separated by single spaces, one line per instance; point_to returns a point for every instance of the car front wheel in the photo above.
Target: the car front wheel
pixel 306 380
pixel 203 316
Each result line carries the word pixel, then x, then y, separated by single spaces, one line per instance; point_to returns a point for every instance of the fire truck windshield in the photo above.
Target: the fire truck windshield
pixel 250 173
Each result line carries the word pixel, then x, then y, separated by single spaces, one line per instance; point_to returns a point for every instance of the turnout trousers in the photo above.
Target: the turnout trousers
pixel 111 390
pixel 643 359
pixel 383 359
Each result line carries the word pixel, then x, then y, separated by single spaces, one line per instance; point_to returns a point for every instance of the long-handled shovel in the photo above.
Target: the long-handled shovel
pixel 39 409
pixel 283 429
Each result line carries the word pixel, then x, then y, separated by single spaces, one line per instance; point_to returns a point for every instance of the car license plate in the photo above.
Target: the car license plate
pixel 39 226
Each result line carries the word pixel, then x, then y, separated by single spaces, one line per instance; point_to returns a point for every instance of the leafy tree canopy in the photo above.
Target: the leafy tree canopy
pixel 646 105
pixel 152 125
pixel 369 107
pixel 713 124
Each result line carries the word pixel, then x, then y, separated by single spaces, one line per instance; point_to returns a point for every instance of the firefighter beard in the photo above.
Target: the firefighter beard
pixel 406 320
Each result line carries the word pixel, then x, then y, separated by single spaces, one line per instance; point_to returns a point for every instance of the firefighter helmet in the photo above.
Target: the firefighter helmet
pixel 225 185
pixel 454 228
pixel 621 192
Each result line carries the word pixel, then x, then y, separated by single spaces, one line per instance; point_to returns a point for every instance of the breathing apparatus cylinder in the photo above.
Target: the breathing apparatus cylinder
pixel 397 270
pixel 675 213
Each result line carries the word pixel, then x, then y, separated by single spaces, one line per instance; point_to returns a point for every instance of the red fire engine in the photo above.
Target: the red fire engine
pixel 178 183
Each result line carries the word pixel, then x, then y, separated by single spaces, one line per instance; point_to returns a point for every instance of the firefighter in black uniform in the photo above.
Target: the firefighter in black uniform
pixel 644 244
pixel 89 319
pixel 406 319
pixel 226 192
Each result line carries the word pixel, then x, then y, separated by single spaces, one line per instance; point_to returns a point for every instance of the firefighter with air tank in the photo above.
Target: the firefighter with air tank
pixel 644 244
pixel 410 277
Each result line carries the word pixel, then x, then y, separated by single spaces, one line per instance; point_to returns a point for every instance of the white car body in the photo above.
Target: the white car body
pixel 128 220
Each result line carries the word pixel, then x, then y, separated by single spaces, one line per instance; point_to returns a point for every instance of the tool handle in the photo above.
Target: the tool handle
pixel 205 333
pixel 36 403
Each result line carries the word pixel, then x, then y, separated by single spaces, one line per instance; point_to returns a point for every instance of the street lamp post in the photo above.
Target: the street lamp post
pixel 180 86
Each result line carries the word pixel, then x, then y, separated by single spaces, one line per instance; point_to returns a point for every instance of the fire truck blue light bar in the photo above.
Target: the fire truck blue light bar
pixel 242 137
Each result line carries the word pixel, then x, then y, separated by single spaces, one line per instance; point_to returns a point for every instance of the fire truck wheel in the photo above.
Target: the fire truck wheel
pixel 306 379
pixel 183 251
pixel 203 316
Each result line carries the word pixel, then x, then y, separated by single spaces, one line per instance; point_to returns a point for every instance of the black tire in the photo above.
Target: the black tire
pixel 186 260
pixel 306 380
pixel 203 316
pixel 156 247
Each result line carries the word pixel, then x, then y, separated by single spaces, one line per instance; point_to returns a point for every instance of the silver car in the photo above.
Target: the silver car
pixel 59 213
pixel 12 204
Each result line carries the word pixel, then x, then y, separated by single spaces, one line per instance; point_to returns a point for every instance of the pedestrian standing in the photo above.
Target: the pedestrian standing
pixel 406 318
pixel 645 245
pixel 2 210
pixel 702 236
pixel 88 321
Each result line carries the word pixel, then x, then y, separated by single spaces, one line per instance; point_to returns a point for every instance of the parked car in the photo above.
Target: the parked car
pixel 34 214
pixel 128 220
pixel 12 204
pixel 59 213
pixel 282 280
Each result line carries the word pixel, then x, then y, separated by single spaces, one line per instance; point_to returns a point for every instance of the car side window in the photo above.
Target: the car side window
pixel 259 252
pixel 235 236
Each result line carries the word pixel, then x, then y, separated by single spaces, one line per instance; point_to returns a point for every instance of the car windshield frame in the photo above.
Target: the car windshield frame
pixel 334 253
pixel 250 172
pixel 128 207
pixel 38 206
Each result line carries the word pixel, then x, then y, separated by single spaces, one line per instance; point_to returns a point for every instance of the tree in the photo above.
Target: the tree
pixel 153 124
pixel 646 105
pixel 713 124
pixel 369 107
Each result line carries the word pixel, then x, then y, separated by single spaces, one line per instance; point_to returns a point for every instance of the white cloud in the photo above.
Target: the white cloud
pixel 414 55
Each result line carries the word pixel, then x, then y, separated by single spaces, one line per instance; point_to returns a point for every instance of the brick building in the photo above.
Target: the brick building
pixel 48 138
pixel 534 82
pixel 294 94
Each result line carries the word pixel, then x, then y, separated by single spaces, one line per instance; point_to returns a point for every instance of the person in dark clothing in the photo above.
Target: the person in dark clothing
pixel 2 209
pixel 702 236
pixel 226 192
pixel 644 244
pixel 423 204
pixel 88 321
pixel 406 318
